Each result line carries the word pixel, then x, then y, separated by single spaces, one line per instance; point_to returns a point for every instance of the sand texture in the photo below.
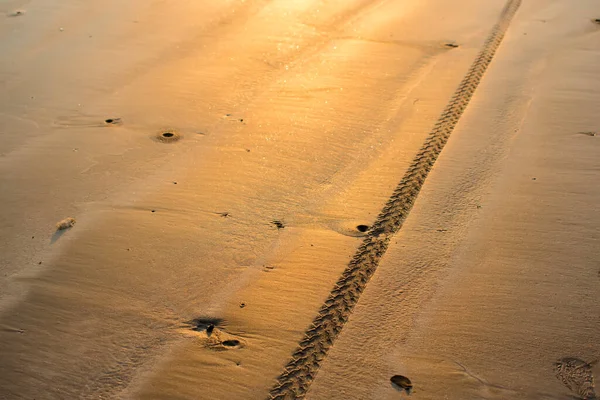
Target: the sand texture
pixel 300 199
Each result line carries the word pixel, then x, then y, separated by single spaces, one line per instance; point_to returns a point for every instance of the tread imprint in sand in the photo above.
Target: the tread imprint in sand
pixel 300 371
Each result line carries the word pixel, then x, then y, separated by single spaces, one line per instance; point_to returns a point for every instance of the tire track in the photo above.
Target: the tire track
pixel 301 370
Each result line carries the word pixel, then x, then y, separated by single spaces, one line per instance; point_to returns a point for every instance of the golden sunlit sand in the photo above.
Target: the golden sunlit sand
pixel 252 215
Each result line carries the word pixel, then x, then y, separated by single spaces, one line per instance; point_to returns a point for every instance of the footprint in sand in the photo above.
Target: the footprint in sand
pixel 577 375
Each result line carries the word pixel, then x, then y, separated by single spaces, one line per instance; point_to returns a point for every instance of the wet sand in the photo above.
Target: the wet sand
pixel 292 124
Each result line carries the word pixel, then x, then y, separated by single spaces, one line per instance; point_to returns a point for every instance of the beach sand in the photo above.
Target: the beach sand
pixel 224 162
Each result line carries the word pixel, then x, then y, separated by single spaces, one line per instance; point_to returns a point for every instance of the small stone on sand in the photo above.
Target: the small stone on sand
pixel 65 224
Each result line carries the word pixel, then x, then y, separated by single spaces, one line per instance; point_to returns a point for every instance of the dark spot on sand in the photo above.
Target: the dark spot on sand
pixel 17 13
pixel 362 228
pixel 40 263
pixel 592 134
pixel 596 21
pixel 241 119
pixel 451 45
pixel 248 150
pixel 174 183
pixel 242 305
pixel 153 210
pixel 112 121
pixel 224 214
pixel 534 179
pixel 402 383
pixel 168 134
pixel 231 343
pixel 279 224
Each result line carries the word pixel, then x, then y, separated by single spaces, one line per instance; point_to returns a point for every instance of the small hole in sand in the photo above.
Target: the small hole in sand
pixel 451 45
pixel 596 21
pixel 231 343
pixel 168 137
pixel 362 228
pixel 402 382
pixel 205 324
pixel 279 224
pixel 209 329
